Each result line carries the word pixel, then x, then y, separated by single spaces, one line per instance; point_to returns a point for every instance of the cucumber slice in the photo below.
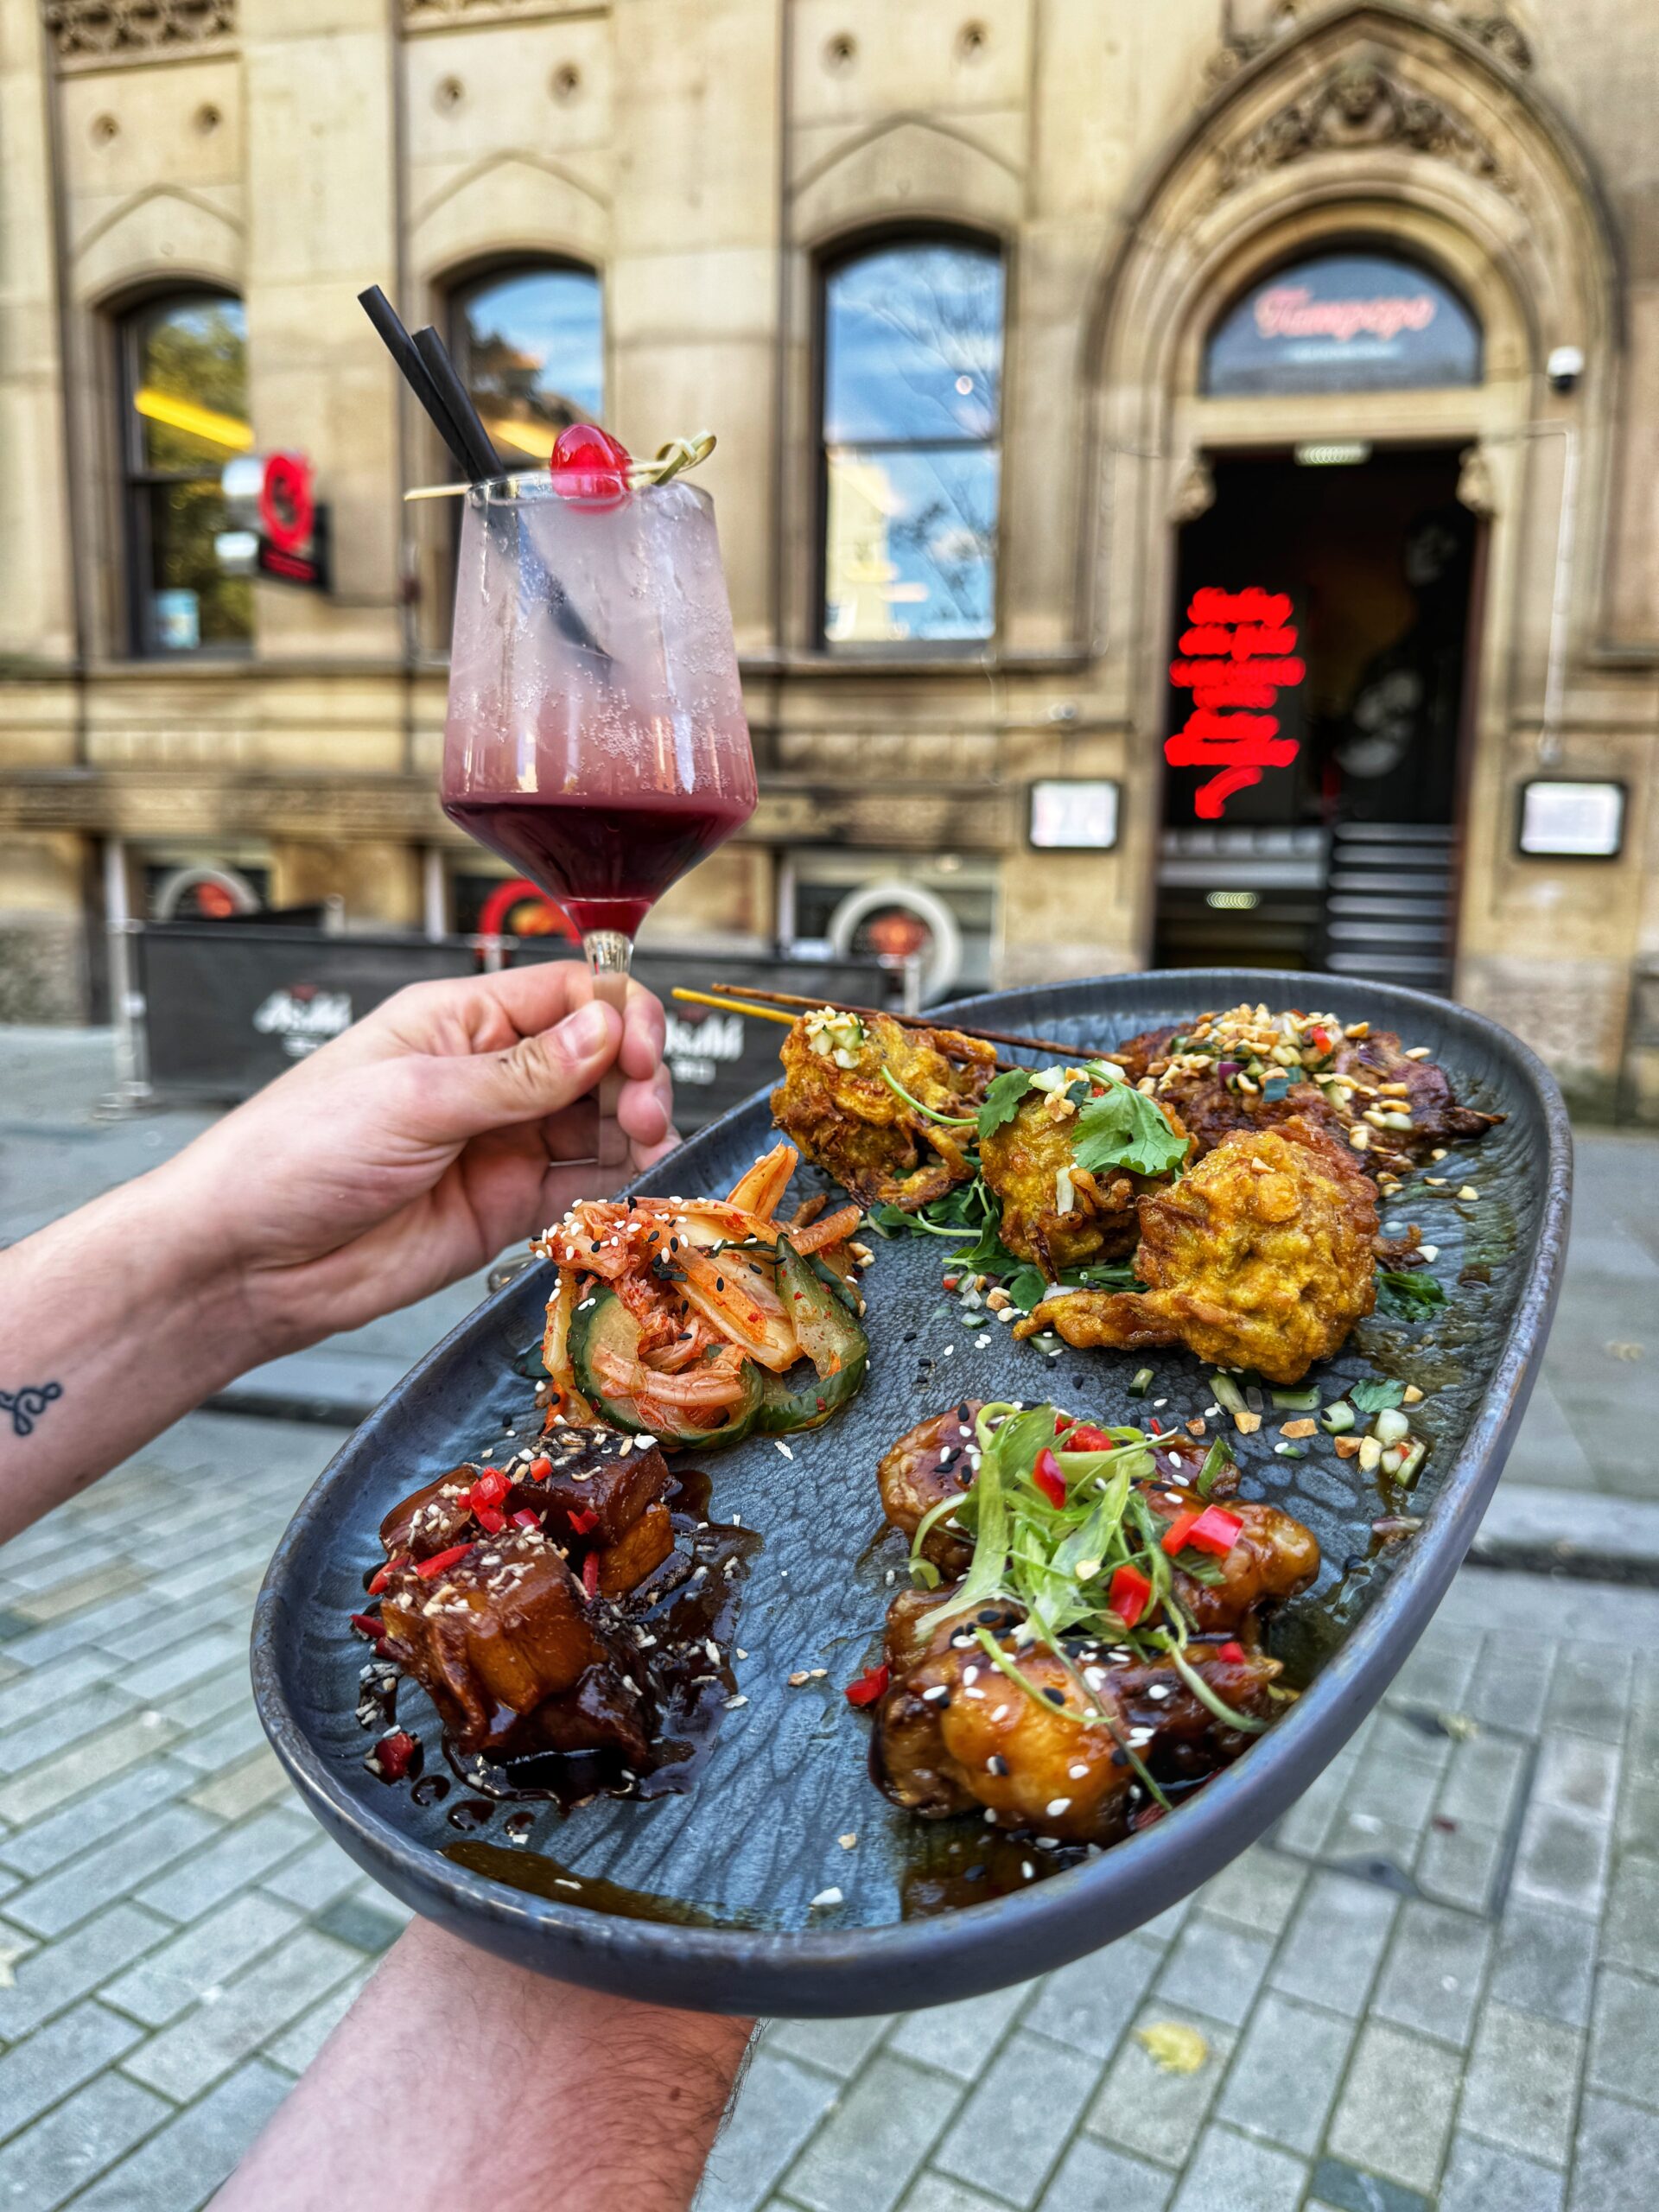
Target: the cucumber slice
pixel 605 1321
pixel 821 1308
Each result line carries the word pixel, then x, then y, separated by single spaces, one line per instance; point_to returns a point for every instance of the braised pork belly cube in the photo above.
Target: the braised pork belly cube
pixel 498 1631
pixel 955 1733
pixel 623 1565
pixel 595 1471
pixel 432 1519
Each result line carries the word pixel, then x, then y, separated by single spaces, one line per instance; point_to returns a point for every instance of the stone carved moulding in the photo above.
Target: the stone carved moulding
pixel 444 15
pixel 1358 106
pixel 86 31
pixel 1504 40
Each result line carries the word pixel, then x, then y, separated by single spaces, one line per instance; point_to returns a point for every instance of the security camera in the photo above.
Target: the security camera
pixel 1564 368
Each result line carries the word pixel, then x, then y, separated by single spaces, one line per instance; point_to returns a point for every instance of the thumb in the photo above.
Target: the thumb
pixel 459 1096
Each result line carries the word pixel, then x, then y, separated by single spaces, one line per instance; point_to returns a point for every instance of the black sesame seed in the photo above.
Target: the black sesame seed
pixel 1055 1697
pixel 973 1873
pixel 1119 1758
pixel 988 1615
pixel 909 1337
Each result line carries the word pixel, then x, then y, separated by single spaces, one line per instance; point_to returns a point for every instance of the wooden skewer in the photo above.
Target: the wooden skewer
pixel 919 1021
pixel 735 1005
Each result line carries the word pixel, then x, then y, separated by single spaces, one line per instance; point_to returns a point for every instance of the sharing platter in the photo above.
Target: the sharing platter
pixel 945 1511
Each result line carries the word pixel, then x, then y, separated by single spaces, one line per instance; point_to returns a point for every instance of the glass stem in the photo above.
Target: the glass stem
pixel 610 956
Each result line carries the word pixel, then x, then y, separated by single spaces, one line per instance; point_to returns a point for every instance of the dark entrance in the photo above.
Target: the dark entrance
pixel 1319 692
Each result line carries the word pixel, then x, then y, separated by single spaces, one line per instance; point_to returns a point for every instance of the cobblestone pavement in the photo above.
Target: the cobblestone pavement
pixel 1434 1989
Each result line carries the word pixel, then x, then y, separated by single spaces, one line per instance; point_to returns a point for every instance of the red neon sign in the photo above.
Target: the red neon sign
pixel 1236 654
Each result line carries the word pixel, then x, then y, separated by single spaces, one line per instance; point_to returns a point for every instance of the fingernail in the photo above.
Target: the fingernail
pixel 585 1031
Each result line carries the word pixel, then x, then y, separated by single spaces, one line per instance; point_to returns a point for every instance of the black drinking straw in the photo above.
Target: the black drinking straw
pixel 430 375
pixel 481 459
pixel 401 346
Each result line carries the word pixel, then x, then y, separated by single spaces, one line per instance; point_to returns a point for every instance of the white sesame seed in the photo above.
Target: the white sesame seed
pixel 825 1897
pixel 1059 1805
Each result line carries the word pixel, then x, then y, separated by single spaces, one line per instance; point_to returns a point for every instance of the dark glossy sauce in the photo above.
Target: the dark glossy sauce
pixel 687 1603
pixel 547 1878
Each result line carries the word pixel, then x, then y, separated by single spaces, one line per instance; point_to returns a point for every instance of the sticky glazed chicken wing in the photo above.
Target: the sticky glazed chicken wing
pixel 1261 1257
pixel 1101 1641
pixel 843 1101
pixel 1055 1212
pixel 1250 1068
pixel 955 1734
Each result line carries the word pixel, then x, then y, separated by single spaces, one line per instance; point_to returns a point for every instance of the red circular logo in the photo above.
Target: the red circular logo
pixel 286 507
pixel 520 908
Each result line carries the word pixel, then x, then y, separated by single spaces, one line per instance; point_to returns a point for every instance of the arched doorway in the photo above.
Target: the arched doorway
pixel 1375 137
pixel 1317 731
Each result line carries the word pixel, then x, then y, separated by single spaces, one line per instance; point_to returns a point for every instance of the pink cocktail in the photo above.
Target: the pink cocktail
pixel 595 737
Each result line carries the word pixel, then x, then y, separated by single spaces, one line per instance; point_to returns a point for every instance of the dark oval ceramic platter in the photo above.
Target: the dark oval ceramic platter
pixel 706 1899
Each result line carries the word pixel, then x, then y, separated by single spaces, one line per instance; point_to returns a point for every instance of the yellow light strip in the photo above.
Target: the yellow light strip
pixel 537 438
pixel 201 422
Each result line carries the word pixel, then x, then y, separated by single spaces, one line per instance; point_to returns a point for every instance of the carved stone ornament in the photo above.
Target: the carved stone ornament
pixel 1358 106
pixel 113 31
pixel 1504 40
pixel 441 15
pixel 1194 493
pixel 1476 489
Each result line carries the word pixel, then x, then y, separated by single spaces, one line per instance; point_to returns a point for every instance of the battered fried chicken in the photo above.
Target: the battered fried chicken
pixel 1053 1211
pixel 1260 1257
pixel 1250 1068
pixel 954 1733
pixel 837 1104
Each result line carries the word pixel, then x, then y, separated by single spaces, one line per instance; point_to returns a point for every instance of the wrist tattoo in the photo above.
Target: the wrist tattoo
pixel 26 1406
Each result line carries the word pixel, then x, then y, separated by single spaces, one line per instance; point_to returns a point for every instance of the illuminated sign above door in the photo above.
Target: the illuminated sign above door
pixel 1343 323
pixel 1236 654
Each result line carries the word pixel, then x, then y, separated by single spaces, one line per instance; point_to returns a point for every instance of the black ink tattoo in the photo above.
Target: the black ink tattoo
pixel 26 1406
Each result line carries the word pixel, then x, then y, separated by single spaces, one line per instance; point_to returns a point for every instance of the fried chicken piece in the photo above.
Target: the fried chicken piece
pixel 498 1634
pixel 1028 1163
pixel 835 1104
pixel 1359 1075
pixel 954 1733
pixel 1261 1257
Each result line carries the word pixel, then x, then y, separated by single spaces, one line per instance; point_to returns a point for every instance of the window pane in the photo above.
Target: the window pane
pixel 532 354
pixel 189 603
pixel 191 386
pixel 913 345
pixel 910 547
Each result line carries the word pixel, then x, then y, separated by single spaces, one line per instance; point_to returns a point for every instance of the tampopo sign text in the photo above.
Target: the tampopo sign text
pixel 1343 322
pixel 1236 655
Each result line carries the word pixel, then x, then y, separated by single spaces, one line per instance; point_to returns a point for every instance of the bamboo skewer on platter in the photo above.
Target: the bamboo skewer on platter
pixel 744 998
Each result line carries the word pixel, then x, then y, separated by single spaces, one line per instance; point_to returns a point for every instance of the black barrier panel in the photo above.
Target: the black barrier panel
pixel 225 1010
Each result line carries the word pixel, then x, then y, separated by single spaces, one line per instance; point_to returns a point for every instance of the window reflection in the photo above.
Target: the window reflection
pixel 187 415
pixel 530 345
pixel 913 338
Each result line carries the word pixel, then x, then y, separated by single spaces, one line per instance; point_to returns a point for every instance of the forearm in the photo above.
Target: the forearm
pixel 113 1322
pixel 457 2079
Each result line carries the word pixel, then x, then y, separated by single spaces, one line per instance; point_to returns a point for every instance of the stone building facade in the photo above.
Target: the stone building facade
pixel 1135 171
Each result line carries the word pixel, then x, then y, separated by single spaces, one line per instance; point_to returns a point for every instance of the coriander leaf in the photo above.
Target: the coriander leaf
pixel 1376 1397
pixel 1408 1292
pixel 988 1255
pixel 1002 1099
pixel 886 1216
pixel 1124 1128
pixel 1027 1288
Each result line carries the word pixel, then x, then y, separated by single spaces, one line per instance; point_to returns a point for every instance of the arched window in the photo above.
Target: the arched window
pixel 1351 320
pixel 912 363
pixel 529 344
pixel 185 414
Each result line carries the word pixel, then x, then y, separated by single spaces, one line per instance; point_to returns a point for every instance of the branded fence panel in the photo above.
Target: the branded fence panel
pixel 226 1010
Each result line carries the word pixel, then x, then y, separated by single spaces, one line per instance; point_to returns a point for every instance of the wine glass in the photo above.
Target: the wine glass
pixel 595 736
